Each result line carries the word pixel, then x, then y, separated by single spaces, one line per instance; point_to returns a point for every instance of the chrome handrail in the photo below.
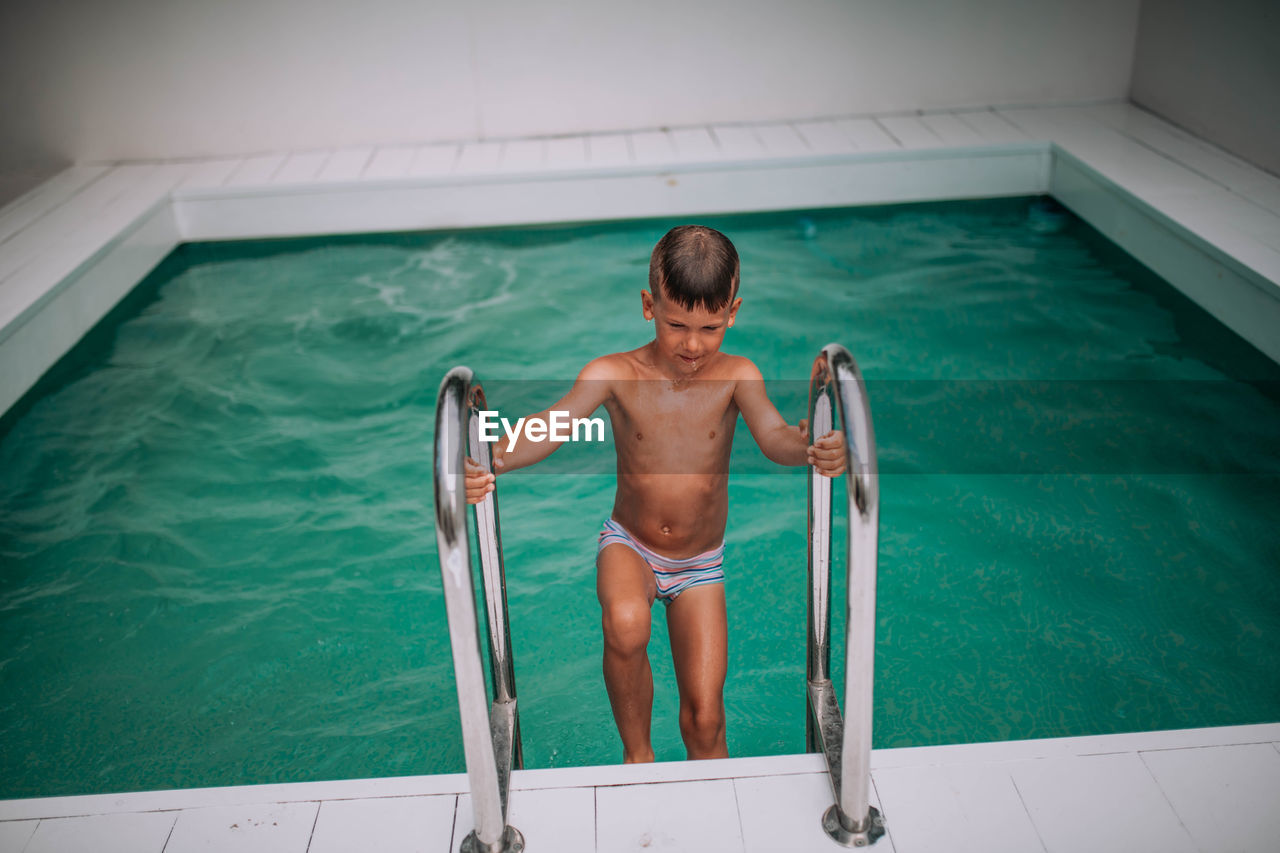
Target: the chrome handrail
pixel 836 388
pixel 490 735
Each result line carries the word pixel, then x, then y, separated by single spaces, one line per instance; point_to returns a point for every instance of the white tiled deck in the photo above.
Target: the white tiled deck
pixel 1197 790
pixel 1204 220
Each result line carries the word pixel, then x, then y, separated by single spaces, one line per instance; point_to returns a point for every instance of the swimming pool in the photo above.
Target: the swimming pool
pixel 178 486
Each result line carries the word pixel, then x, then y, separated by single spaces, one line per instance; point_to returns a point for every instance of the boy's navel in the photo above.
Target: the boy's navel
pixel 713 434
pixel 666 530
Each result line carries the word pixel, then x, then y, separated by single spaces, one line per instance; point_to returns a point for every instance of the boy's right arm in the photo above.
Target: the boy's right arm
pixel 590 390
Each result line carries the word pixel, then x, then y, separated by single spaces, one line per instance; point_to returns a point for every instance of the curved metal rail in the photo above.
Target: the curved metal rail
pixel 490 732
pixel 837 392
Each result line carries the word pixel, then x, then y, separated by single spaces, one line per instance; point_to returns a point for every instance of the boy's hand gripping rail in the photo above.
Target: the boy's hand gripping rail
pixel 836 388
pixel 490 734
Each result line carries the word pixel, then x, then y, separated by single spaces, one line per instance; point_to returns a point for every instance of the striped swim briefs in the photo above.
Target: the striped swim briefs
pixel 672 576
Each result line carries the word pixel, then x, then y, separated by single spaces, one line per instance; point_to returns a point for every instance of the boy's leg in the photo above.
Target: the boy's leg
pixel 626 589
pixel 700 649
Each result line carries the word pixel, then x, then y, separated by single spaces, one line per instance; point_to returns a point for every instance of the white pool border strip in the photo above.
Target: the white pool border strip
pixel 1187 790
pixel 639 774
pixel 1207 222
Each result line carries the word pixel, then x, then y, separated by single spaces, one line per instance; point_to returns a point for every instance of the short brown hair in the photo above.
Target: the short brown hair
pixel 696 266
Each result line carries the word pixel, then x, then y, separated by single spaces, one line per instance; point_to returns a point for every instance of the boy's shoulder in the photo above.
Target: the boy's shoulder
pixel 738 367
pixel 616 365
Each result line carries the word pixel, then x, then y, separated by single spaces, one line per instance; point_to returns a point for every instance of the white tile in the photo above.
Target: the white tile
pixel 1130 164
pixel 781 140
pixel 301 167
pixel 737 142
pixel 385 824
pixel 991 126
pixel 825 137
pixel 83 225
pixel 963 809
pixel 478 157
pixel 951 130
pixel 661 771
pixel 524 155
pixel 27 284
pixel 1206 213
pixel 608 149
pixel 685 816
pixel 1263 190
pixel 1035 123
pixel 266 828
pixel 253 795
pixel 150 184
pixel 785 813
pixel 102 191
pixel 652 146
pixel 695 144
pixel 391 161
pixel 210 173
pixel 552 820
pixel 54 192
pixel 1101 803
pixel 255 171
pixel 348 164
pixel 566 152
pixel 433 160
pixel 165 177
pixel 1226 796
pixel 1194 153
pixel 909 131
pixel 108 833
pixel 125 209
pixel 14 835
pixel 866 135
pixel 1133 168
pixel 74 215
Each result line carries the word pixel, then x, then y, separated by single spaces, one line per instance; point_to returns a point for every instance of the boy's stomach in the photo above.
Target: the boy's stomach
pixel 677 515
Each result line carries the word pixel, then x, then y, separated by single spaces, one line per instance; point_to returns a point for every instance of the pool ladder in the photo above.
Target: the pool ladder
pixel 836 389
pixel 491 730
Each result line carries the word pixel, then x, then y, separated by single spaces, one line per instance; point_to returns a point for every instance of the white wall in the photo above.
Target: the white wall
pixel 86 80
pixel 1213 67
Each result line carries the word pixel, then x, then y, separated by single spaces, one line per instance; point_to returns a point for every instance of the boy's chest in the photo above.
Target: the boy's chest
pixel 662 409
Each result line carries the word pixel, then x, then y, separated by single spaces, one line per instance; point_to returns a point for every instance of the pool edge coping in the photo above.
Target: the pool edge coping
pixel 598 776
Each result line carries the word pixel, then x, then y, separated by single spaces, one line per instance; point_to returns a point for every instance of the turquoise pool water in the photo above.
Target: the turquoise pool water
pixel 218 560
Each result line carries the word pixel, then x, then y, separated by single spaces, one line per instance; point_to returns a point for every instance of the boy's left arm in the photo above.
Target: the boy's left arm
pixel 779 441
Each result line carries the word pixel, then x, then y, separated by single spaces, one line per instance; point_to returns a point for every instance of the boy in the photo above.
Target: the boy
pixel 673 405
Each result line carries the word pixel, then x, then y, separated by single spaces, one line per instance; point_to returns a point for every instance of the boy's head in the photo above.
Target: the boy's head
pixel 692 296
pixel 695 267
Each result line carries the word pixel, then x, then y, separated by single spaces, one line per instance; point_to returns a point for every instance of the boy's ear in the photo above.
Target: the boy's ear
pixel 733 310
pixel 646 304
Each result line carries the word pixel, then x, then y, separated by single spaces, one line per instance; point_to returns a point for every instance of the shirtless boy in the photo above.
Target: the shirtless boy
pixel 673 405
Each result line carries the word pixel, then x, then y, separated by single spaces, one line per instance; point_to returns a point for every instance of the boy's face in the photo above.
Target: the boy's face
pixel 687 337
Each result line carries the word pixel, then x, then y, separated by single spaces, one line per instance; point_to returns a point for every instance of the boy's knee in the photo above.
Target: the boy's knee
pixel 704 721
pixel 626 626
